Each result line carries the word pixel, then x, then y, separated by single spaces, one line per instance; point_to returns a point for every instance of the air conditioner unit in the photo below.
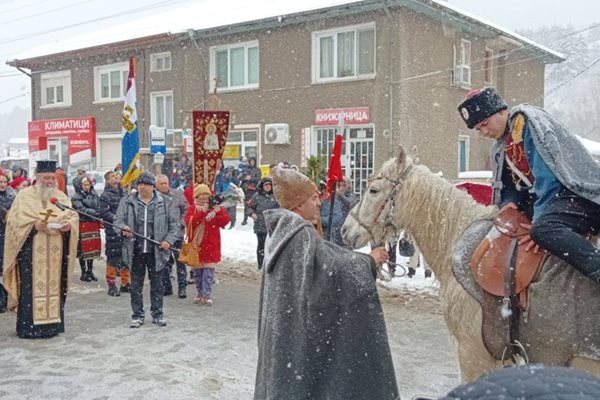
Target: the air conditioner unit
pixel 461 75
pixel 277 134
pixel 177 137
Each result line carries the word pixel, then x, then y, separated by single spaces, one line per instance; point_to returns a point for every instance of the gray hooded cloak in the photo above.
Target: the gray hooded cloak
pixel 564 154
pixel 321 331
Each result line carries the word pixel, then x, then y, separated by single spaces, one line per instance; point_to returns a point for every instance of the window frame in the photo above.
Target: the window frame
pixel 122 67
pixel 51 79
pixel 153 111
pixel 228 47
pixel 154 57
pixel 467 140
pixel 334 32
pixel 488 66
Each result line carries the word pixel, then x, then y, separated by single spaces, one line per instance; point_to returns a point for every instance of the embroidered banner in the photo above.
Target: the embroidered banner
pixel 210 137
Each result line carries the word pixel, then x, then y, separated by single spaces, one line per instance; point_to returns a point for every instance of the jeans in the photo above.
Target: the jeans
pixel 260 248
pixel 181 270
pixel 561 228
pixel 141 263
pixel 204 280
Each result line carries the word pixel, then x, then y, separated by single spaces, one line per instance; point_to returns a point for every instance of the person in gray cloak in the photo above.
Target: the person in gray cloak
pixel 321 331
pixel 543 170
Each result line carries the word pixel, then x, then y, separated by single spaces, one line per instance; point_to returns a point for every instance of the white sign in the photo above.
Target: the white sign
pixel 158 140
pixel 159 158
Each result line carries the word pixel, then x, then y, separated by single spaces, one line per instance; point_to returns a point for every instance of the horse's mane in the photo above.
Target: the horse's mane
pixel 435 212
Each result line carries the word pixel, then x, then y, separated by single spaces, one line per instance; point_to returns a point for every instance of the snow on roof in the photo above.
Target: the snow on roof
pixel 23 140
pixel 216 13
pixel 499 28
pixel 475 175
pixel 590 145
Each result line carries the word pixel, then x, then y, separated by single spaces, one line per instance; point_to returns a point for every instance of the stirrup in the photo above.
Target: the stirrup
pixel 518 357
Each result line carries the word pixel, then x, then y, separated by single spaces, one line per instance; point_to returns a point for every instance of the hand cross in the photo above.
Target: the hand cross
pixel 47 214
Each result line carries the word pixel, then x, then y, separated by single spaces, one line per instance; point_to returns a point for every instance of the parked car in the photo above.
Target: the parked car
pixel 98 186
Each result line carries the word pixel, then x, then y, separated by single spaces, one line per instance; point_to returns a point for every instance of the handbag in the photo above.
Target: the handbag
pixel 189 253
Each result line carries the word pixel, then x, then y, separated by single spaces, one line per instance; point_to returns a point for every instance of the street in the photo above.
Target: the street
pixel 203 353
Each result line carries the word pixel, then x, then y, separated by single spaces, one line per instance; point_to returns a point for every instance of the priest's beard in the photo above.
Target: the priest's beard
pixel 46 192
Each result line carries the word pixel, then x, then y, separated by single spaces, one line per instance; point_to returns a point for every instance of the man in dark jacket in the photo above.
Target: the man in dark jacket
pixel 180 202
pixel 248 183
pixel 530 382
pixel 109 203
pixel 321 332
pixel 543 170
pixel 263 200
pixel 148 213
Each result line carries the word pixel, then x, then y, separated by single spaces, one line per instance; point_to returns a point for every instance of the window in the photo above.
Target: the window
pixel 111 81
pixel 234 66
pixel 461 74
pixel 161 108
pixel 240 143
pixel 463 153
pixel 160 62
pixel 488 66
pixel 347 53
pixel 56 89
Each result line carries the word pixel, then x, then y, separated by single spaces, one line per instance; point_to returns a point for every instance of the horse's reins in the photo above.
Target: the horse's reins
pixel 388 218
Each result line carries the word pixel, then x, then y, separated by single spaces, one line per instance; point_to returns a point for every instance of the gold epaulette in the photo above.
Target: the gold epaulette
pixel 517 129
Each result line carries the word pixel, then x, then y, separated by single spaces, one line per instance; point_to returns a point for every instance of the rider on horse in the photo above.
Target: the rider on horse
pixel 544 171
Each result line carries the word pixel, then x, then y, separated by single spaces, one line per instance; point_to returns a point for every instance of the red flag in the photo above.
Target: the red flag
pixel 335 165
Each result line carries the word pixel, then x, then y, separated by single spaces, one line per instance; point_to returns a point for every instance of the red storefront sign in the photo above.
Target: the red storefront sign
pixel 79 132
pixel 352 116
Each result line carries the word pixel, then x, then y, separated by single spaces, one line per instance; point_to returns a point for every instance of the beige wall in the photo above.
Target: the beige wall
pixel 423 116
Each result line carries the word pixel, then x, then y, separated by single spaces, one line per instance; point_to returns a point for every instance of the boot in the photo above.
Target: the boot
pixel 90 266
pixel 84 275
pixel 113 291
pixel 181 293
pixel 125 288
pixel 411 272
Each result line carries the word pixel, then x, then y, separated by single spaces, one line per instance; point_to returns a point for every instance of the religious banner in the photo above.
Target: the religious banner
pixel 210 136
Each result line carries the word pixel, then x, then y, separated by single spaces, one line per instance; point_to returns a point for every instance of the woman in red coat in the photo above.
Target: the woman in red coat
pixel 206 224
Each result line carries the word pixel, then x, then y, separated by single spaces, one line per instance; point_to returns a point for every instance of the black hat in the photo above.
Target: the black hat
pixel 45 166
pixel 146 178
pixel 480 104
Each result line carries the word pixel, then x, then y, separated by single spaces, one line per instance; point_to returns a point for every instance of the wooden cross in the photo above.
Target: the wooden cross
pixel 47 214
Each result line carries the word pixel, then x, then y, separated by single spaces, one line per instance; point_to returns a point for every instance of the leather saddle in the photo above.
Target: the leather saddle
pixel 491 258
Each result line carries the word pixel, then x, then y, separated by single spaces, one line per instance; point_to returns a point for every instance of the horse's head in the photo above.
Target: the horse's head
pixel 372 219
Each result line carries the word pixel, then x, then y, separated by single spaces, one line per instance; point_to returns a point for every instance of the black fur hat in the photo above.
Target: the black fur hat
pixel 480 104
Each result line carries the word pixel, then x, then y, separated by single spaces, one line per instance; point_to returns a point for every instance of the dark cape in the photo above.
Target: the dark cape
pixel 564 154
pixel 321 330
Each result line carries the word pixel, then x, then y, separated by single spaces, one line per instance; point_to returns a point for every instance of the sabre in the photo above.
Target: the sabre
pixel 63 207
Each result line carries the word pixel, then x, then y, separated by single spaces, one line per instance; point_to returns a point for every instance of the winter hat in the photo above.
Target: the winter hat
pixel 530 382
pixel 201 189
pixel 146 178
pixel 480 104
pixel 291 188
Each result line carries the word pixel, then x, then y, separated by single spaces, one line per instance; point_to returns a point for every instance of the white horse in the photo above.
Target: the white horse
pixel 561 327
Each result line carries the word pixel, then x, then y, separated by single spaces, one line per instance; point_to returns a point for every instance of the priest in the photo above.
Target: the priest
pixel 39 253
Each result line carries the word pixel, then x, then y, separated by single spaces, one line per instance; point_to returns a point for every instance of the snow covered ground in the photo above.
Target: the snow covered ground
pixel 204 352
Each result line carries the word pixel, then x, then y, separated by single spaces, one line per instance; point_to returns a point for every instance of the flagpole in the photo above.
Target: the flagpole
pixel 335 172
pixel 330 216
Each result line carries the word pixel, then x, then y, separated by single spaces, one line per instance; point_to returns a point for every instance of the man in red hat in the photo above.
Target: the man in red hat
pixel 543 170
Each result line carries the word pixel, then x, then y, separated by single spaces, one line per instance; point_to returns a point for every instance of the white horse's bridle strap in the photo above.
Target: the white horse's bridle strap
pixel 390 199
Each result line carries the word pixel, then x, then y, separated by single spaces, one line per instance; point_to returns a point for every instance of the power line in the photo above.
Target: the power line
pixel 14 97
pixel 120 14
pixel 10 21
pixel 25 6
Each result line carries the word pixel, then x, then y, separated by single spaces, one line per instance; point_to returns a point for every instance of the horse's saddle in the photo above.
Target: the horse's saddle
pixel 484 263
pixel 490 263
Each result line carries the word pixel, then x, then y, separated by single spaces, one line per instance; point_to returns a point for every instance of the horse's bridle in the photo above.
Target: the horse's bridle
pixel 390 199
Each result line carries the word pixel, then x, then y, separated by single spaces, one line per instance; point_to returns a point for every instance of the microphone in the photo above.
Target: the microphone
pixel 55 201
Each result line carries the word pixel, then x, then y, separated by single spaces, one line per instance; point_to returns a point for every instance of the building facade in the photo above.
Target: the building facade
pixel 396 69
